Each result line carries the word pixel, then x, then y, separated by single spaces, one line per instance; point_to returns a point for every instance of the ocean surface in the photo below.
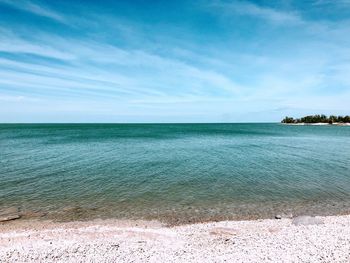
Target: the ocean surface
pixel 176 173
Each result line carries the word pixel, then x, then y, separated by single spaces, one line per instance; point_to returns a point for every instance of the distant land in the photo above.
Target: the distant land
pixel 318 120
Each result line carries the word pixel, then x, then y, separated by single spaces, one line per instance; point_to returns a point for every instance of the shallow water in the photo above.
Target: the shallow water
pixel 174 172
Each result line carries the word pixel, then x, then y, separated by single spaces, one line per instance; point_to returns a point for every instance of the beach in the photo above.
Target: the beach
pixel 307 239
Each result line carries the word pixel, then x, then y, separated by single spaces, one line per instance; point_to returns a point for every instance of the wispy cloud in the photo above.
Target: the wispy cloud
pixel 331 2
pixel 251 9
pixel 35 9
pixel 104 69
pixel 6 98
pixel 10 42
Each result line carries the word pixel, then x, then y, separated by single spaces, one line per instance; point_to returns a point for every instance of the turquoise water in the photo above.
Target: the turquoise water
pixel 176 173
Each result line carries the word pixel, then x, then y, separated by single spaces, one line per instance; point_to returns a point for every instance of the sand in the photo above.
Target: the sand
pixel 323 239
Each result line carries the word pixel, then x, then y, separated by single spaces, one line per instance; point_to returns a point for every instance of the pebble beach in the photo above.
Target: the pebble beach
pixel 302 239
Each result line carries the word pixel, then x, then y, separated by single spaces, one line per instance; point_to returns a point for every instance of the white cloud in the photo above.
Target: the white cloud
pixel 331 2
pixel 33 8
pixel 96 66
pixel 266 13
pixel 12 43
pixel 7 98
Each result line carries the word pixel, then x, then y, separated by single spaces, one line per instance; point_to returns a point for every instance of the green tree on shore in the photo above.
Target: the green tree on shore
pixel 318 119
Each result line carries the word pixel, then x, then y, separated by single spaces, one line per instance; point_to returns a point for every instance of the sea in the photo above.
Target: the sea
pixel 174 173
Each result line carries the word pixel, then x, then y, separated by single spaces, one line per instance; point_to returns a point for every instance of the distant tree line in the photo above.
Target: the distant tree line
pixel 318 119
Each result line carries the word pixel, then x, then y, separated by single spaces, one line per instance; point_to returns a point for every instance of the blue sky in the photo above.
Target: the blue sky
pixel 173 61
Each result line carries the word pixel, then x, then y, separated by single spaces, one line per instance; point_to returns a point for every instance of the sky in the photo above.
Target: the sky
pixel 173 61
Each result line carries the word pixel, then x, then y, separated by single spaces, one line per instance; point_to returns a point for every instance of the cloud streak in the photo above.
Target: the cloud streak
pixel 34 9
pixel 101 67
pixel 246 8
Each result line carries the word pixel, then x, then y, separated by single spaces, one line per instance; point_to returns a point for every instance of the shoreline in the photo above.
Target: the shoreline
pixel 326 239
pixel 15 216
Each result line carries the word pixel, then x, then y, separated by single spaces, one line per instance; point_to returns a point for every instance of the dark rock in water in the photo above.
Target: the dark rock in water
pixel 280 216
pixel 8 214
pixel 307 220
